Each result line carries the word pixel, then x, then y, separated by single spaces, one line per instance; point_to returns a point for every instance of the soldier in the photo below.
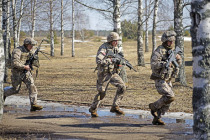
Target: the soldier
pixel 163 78
pixel 108 72
pixel 22 73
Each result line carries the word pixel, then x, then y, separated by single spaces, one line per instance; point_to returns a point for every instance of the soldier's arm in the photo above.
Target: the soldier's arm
pixel 16 63
pixel 156 60
pixel 102 59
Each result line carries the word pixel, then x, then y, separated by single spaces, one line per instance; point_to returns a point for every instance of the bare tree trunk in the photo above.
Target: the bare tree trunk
pixel 8 46
pixel 33 17
pixel 140 51
pixel 117 28
pixel 13 2
pixel 200 31
pixel 62 32
pixel 73 32
pixel 2 65
pixel 117 22
pixel 178 28
pixel 19 23
pixel 146 28
pixel 5 35
pixel 154 25
pixel 51 30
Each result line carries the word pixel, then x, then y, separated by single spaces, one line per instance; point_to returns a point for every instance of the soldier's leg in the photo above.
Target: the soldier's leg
pixel 102 84
pixel 117 81
pixel 167 94
pixel 28 80
pixel 16 83
pixel 162 105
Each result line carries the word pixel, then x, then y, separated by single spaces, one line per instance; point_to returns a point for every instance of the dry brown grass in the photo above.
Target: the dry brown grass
pixel 72 79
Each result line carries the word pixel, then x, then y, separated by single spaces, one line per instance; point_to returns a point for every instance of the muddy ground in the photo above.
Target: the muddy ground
pixel 72 81
pixel 60 121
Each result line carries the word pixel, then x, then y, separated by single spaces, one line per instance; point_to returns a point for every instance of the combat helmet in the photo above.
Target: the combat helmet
pixel 112 36
pixel 29 41
pixel 168 36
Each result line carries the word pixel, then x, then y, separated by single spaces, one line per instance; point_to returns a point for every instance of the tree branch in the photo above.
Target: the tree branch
pixel 102 10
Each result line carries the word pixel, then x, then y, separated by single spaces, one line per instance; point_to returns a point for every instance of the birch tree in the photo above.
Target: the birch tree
pixel 146 27
pixel 117 28
pixel 2 65
pixel 51 29
pixel 13 5
pixel 156 3
pixel 8 42
pixel 116 21
pixel 33 16
pixel 62 32
pixel 200 32
pixel 6 33
pixel 73 31
pixel 179 42
pixel 140 52
pixel 19 21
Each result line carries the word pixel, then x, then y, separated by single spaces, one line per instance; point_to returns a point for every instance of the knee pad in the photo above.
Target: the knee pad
pixel 121 90
pixel 169 100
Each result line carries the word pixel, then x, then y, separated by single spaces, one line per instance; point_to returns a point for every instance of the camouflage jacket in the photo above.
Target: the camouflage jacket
pixel 19 57
pixel 158 63
pixel 104 64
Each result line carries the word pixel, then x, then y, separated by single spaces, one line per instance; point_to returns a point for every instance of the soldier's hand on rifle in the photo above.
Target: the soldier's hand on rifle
pixel 170 64
pixel 27 67
pixel 178 57
pixel 115 60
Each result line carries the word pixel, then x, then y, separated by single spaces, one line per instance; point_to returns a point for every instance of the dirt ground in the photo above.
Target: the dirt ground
pixel 60 121
pixel 72 81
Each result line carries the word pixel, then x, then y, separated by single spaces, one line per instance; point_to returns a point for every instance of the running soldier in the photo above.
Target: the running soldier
pixel 22 73
pixel 108 72
pixel 163 76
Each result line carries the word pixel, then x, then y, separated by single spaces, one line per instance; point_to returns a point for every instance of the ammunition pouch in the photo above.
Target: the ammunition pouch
pixel 154 77
pixel 36 62
pixel 175 73
pixel 168 74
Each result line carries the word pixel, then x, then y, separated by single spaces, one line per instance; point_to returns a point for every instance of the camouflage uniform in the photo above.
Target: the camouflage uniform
pixel 108 72
pixel 162 76
pixel 19 74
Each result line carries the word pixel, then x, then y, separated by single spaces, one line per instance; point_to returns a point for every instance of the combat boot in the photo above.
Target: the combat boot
pixel 36 107
pixel 153 110
pixel 116 109
pixel 93 112
pixel 157 121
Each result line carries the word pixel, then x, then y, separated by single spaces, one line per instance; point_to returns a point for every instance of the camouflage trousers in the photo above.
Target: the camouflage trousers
pixel 17 78
pixel 165 89
pixel 102 84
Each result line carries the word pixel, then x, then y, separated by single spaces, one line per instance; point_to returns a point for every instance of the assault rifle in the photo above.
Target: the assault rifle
pixel 34 56
pixel 172 57
pixel 121 58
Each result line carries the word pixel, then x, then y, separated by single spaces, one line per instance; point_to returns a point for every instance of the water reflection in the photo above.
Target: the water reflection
pixel 58 110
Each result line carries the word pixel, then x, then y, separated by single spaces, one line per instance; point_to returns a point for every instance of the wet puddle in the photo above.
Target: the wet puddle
pixel 58 110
